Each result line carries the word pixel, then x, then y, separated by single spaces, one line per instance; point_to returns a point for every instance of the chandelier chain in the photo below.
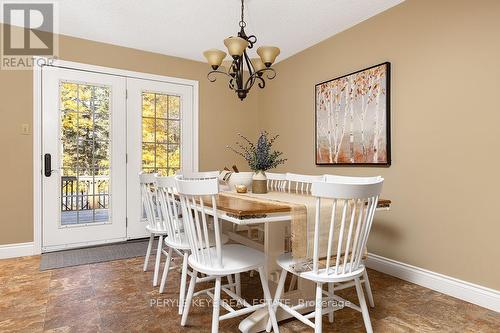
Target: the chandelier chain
pixel 242 22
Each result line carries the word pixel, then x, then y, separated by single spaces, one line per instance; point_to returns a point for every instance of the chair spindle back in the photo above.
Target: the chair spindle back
pixel 194 194
pixel 353 207
pixel 166 189
pixel 301 184
pixel 276 181
pixel 148 198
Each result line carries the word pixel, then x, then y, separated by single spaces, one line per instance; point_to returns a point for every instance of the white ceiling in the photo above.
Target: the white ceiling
pixel 185 28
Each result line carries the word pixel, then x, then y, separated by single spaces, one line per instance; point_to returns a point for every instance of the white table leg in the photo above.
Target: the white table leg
pixel 274 246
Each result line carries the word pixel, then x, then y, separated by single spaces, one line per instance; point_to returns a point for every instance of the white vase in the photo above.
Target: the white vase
pixel 240 178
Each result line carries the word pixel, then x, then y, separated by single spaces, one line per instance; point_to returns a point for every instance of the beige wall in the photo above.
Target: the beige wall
pixel 443 182
pixel 444 179
pixel 221 115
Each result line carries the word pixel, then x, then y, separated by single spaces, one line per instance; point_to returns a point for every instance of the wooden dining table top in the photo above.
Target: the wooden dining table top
pixel 241 206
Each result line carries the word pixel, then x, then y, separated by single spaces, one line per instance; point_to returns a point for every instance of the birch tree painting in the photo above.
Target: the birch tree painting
pixel 352 118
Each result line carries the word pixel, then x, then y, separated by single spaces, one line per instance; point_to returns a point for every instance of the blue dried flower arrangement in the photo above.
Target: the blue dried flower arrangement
pixel 260 156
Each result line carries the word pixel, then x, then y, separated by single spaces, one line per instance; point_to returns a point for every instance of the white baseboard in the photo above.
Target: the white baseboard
pixel 469 292
pixel 16 250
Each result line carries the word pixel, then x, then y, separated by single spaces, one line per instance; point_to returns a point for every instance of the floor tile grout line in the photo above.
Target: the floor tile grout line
pixel 94 296
pixel 48 299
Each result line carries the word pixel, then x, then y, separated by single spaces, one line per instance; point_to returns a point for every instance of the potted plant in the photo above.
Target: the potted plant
pixel 260 157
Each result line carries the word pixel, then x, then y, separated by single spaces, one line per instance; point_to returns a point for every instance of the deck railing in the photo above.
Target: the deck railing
pixel 84 192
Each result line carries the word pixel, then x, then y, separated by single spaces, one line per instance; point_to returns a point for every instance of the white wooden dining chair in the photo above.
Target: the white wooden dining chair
pixel 154 225
pixel 276 181
pixel 301 184
pixel 219 260
pixel 350 179
pixel 355 180
pixel 199 175
pixel 176 239
pixel 353 209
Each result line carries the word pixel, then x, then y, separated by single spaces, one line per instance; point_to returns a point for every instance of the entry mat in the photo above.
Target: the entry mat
pixel 90 255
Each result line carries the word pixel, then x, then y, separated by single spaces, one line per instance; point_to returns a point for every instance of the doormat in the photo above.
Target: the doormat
pixel 90 255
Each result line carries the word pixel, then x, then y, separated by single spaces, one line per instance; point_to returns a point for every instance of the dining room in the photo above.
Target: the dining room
pixel 249 166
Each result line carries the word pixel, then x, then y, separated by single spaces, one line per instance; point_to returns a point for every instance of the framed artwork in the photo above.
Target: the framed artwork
pixel 352 115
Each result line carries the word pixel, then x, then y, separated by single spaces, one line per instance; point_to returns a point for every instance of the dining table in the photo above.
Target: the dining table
pixel 273 218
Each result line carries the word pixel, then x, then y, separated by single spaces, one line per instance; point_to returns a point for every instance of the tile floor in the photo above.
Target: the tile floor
pixel 116 296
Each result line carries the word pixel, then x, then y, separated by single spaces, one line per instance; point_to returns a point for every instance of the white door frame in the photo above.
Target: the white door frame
pixel 136 88
pixel 40 62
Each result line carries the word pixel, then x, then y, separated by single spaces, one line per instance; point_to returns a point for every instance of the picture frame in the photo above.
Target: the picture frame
pixel 352 118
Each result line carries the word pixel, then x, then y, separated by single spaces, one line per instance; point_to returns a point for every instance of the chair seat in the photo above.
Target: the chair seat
pixel 157 230
pixel 182 243
pixel 236 258
pixel 286 261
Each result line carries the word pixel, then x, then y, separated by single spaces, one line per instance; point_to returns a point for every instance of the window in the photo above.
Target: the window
pixel 161 133
pixel 85 145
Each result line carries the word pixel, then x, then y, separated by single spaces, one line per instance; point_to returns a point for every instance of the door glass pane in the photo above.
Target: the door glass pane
pixel 68 92
pixel 148 105
pixel 161 156
pixel 161 130
pixel 160 133
pixel 161 106
pixel 174 156
pixel 148 156
pixel 148 129
pixel 174 103
pixel 174 131
pixel 85 127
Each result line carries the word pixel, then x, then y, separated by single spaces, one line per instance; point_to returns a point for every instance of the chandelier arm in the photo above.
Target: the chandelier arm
pixel 252 79
pixel 252 39
pixel 250 82
pixel 251 71
pixel 262 83
pixel 233 69
pixel 212 77
pixel 239 74
pixel 257 78
pixel 249 63
pixel 270 73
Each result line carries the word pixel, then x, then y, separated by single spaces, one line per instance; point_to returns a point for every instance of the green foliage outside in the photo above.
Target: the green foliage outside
pixel 85 130
pixel 160 133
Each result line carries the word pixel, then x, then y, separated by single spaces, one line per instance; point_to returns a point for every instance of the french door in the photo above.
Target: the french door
pixel 98 132
pixel 84 171
pixel 159 138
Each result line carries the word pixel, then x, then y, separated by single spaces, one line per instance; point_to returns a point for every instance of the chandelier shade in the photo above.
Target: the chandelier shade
pixel 243 73
pixel 235 46
pixel 214 57
pixel 268 54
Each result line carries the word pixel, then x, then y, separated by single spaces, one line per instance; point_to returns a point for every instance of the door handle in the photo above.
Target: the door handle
pixel 47 162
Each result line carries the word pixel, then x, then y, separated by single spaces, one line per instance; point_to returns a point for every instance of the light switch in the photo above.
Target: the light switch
pixel 25 129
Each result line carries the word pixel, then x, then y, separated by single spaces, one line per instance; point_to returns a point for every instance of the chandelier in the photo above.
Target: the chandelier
pixel 237 48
